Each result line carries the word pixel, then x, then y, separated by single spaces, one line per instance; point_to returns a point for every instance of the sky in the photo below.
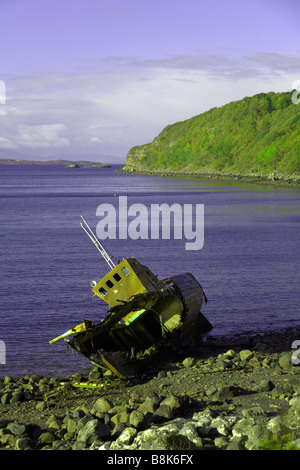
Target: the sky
pixel 81 78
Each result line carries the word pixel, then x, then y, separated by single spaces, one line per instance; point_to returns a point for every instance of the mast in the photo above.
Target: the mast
pixel 97 243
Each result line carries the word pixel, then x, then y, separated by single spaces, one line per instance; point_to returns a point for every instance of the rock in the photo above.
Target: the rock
pixel 230 353
pixel 95 374
pixel 127 436
pixel 163 413
pixel 189 362
pixel 205 417
pixel 79 413
pixel 211 390
pixel 245 354
pixel 138 396
pixel 122 417
pixel 282 389
pixel 71 425
pixel 221 441
pixel 41 406
pixel 54 423
pixel 8 379
pixel 172 401
pixel 102 405
pixel 235 444
pixel 164 441
pixel 155 399
pixel 149 435
pixel 17 429
pixel 162 374
pixel 83 421
pixel 257 434
pixel 46 438
pixel 44 381
pixel 264 386
pixel 227 392
pixel 104 447
pixel 254 362
pixel 276 427
pixel 291 418
pixel 296 388
pixel 93 430
pixel 147 407
pixel 6 438
pixel 223 363
pixel 285 361
pixel 108 373
pixel 295 402
pixel 137 419
pixel 24 443
pixel 161 442
pixel 79 445
pixel 242 427
pixel 117 430
pixel 253 412
pixel 189 430
pixel 61 445
pixel 297 444
pixel 223 424
pixel 5 399
pixel 17 397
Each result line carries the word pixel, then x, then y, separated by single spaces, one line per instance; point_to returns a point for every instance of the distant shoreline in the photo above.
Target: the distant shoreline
pixel 78 163
pixel 273 179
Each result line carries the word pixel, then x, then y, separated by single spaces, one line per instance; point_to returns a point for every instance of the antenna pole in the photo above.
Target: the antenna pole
pixel 98 245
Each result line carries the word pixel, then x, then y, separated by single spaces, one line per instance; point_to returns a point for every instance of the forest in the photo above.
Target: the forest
pixel 256 134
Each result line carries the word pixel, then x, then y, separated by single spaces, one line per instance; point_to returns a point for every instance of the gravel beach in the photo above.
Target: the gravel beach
pixel 239 393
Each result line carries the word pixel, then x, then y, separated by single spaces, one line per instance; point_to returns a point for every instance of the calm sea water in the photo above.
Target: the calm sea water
pixel 248 266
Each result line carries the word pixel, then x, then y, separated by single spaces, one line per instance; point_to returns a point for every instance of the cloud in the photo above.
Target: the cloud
pixel 260 64
pixel 41 136
pixel 109 105
pixel 96 140
pixel 6 143
pixel 275 62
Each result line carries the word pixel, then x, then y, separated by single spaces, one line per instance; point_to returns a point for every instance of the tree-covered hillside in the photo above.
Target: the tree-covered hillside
pixel 258 134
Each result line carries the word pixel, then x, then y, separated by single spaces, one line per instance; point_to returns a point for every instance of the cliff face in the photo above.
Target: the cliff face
pixel 259 134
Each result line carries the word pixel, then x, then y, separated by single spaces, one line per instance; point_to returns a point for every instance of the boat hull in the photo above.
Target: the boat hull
pixel 165 319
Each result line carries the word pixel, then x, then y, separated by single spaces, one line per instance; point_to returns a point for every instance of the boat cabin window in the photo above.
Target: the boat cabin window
pixel 102 291
pixel 117 277
pixel 125 270
pixel 109 284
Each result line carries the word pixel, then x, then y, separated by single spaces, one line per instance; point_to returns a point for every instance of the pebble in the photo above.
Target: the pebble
pixel 102 405
pixel 162 420
pixel 285 361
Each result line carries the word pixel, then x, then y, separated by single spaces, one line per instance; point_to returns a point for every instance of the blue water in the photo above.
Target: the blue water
pixel 248 266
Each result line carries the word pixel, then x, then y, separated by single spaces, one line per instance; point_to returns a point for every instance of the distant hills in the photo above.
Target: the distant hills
pixel 12 156
pixel 256 135
pixel 67 163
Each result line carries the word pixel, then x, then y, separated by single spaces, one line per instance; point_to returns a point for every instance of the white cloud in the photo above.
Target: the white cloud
pixel 44 135
pixel 119 102
pixel 6 143
pixel 95 140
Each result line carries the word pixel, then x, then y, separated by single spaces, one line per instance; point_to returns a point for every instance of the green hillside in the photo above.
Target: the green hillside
pixel 258 134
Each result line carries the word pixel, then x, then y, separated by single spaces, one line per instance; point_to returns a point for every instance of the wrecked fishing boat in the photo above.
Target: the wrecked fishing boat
pixel 147 316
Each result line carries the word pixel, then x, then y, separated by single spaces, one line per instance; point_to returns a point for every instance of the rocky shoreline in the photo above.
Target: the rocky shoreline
pixel 273 179
pixel 240 393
